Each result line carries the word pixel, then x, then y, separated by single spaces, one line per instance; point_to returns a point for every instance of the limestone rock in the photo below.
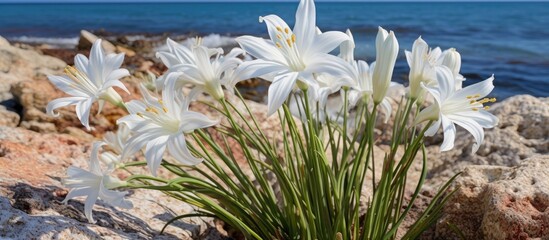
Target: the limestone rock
pixel 87 39
pixel 522 132
pixel 8 118
pixel 18 64
pixel 497 202
pixel 31 168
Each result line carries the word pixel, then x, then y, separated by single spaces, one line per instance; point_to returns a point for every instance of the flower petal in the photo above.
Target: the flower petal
pixel 326 42
pixel 305 23
pixel 329 64
pixel 62 102
pixel 88 205
pixel 258 68
pixel 153 153
pixel 68 86
pixel 114 198
pixel 81 63
pixel 279 91
pixel 260 48
pixel 472 127
pixel 433 129
pixel 446 82
pixel 83 109
pixel 449 130
pixel 194 120
pixel 482 89
pixel 177 147
pixel 77 192
pixel 386 105
pixel 95 71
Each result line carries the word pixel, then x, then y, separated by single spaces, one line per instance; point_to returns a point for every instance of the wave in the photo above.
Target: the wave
pixel 69 42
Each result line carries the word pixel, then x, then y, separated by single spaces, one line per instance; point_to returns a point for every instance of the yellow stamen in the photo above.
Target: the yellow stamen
pixel 140 115
pixel 165 109
pixel 278 45
pixel 287 30
pixel 469 97
pixel 152 110
pixel 278 36
pixel 289 42
pixel 473 101
pixel 475 109
pixel 279 29
pixel 486 107
pixel 293 38
pixel 493 100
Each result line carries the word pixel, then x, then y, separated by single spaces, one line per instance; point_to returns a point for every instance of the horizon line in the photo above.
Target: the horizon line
pixel 259 1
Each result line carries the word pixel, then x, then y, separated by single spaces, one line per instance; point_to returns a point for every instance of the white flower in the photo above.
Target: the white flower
pixel 292 55
pixel 89 81
pixel 361 88
pixel 94 184
pixel 463 107
pixel 197 67
pixel 386 54
pixel 452 59
pixel 116 142
pixel 423 62
pixel 157 124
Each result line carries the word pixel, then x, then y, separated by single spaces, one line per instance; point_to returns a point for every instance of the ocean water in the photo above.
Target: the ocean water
pixel 510 40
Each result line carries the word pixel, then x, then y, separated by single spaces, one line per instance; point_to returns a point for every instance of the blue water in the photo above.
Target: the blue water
pixel 510 40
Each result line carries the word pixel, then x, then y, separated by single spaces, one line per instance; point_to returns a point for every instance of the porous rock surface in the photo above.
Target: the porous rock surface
pixel 18 64
pixel 31 168
pixel 498 202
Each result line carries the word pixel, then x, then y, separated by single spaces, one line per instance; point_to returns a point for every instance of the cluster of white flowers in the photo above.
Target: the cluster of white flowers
pixel 293 60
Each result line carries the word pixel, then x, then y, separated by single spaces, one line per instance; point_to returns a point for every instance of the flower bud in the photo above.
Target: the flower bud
pixel 386 54
pixel 452 60
pixel 416 61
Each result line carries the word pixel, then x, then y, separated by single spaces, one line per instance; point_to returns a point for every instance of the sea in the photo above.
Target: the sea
pixel 508 39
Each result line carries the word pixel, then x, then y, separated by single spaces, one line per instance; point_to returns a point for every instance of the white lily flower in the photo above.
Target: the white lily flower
pixel 95 184
pixel 157 124
pixel 362 74
pixel 197 67
pixel 116 142
pixel 88 81
pixel 423 62
pixel 386 54
pixel 463 107
pixel 292 55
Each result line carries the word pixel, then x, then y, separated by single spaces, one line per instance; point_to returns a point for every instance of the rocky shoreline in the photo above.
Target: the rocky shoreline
pixel 502 193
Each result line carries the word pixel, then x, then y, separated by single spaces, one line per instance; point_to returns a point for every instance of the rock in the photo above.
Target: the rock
pixel 31 168
pixel 126 51
pixel 4 42
pixel 8 118
pixel 522 132
pixel 87 39
pixel 497 202
pixel 18 65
